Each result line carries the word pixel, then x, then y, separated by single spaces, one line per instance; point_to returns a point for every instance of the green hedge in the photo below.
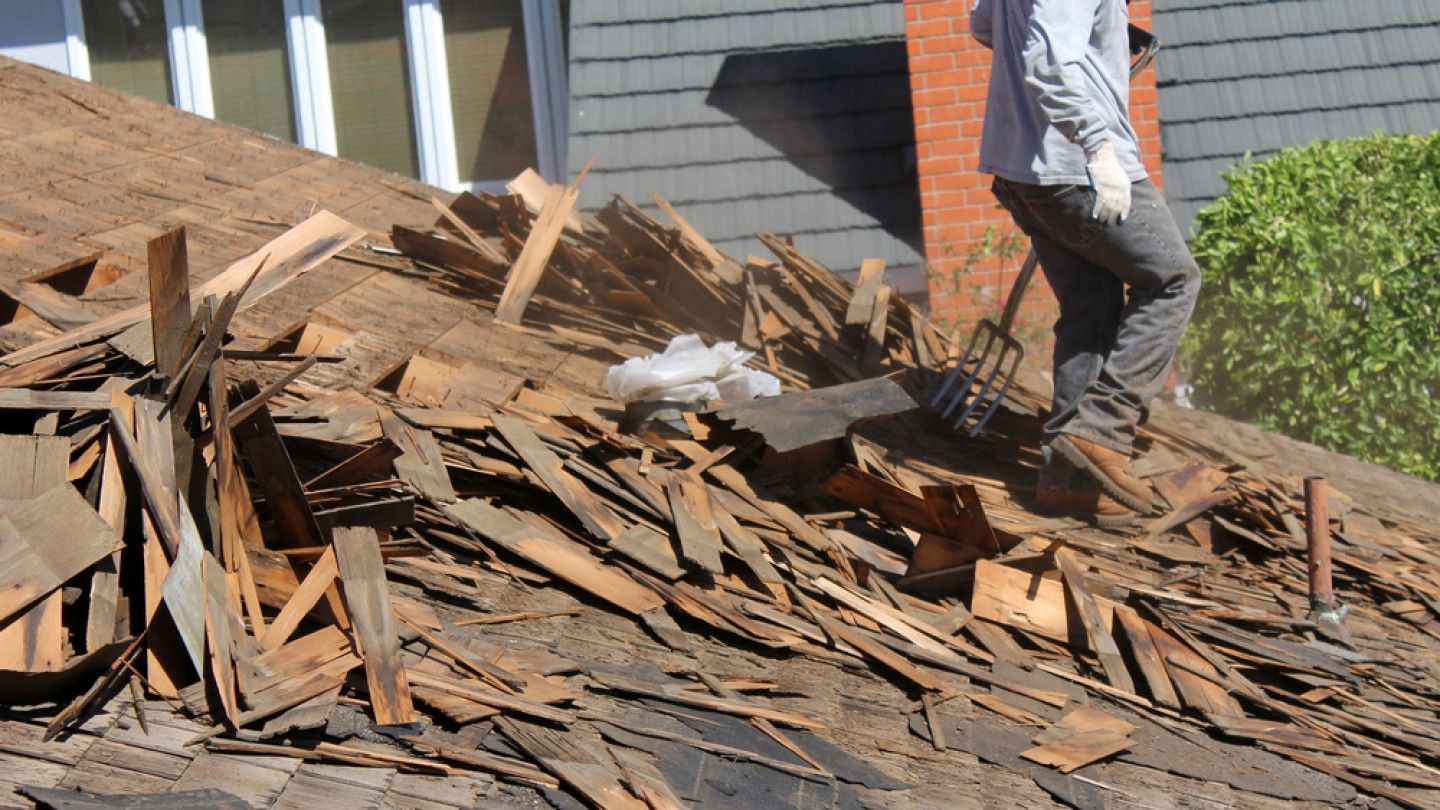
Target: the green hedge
pixel 1320 314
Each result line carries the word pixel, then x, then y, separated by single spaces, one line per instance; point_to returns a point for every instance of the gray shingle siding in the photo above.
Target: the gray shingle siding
pixel 750 115
pixel 1238 76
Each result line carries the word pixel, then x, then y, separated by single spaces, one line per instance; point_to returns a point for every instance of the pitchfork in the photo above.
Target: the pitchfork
pixel 990 338
pixel 995 377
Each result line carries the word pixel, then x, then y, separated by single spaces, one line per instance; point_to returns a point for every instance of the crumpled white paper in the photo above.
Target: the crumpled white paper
pixel 689 371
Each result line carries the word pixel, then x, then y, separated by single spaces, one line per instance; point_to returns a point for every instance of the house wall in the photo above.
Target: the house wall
pixel 949 77
pixel 1240 76
pixel 789 116
pixel 34 32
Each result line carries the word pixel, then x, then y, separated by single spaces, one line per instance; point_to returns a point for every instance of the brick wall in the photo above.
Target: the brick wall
pixel 949 78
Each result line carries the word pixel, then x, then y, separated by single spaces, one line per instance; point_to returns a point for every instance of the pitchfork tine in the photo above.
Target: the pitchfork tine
pixel 995 404
pixel 989 381
pixel 1007 354
pixel 956 372
pixel 964 390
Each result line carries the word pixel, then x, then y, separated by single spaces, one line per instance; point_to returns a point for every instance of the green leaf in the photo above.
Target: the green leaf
pixel 1321 297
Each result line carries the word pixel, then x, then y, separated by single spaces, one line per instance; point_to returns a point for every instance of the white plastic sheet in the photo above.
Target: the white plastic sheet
pixel 689 371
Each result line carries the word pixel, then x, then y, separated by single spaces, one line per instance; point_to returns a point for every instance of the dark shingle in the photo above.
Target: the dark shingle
pixel 1256 76
pixel 790 116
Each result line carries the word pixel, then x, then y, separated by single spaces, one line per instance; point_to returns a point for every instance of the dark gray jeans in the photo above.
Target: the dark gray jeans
pixel 1126 293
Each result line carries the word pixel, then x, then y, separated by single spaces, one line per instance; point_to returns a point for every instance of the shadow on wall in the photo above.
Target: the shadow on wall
pixel 842 115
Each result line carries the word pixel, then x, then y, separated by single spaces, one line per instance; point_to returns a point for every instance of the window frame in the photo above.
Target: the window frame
pixel 189 57
pixel 549 93
pixel 77 52
pixel 310 76
pixel 430 90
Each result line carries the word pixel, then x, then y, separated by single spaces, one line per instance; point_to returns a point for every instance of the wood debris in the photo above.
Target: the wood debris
pixel 233 541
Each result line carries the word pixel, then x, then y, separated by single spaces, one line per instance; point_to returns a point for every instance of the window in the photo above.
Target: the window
pixel 370 83
pixel 129 46
pixel 458 93
pixel 489 88
pixel 250 65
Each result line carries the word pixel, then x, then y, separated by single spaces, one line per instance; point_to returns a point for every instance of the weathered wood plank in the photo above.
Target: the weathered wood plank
pixel 220 638
pixel 695 526
pixel 890 501
pixel 1152 666
pixel 169 298
pixel 430 248
pixel 364 465
pixel 1101 640
pixel 275 472
pixel 154 463
pixel 25 399
pixel 746 546
pixel 32 465
pixel 273 667
pixel 105 581
pixel 295 252
pixel 367 597
pixel 32 563
pixel 530 264
pixel 650 549
pixel 298 687
pixel 567 562
pixel 1078 750
pixel 420 463
pixel 877 330
pixel 55 308
pixel 592 514
pixel 197 366
pixel 302 601
pixel 862 298
pixel 1029 601
pixel 1202 693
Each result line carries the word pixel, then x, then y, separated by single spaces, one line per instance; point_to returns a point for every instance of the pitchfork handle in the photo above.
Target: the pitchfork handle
pixel 1017 292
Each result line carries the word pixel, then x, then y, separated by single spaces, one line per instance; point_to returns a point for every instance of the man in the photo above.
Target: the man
pixel 1067 166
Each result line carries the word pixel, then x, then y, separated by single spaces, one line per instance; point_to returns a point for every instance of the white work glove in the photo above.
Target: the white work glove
pixel 1112 186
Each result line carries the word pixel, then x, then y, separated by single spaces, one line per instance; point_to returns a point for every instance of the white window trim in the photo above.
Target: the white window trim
pixel 549 96
pixel 189 57
pixel 310 76
pixel 77 53
pixel 430 90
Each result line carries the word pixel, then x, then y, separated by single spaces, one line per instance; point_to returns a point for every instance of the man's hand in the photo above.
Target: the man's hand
pixel 1112 186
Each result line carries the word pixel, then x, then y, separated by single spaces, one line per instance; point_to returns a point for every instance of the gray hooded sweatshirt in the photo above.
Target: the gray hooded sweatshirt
pixel 1059 87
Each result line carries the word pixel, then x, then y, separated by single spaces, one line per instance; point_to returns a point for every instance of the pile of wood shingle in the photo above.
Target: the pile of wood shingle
pixel 229 541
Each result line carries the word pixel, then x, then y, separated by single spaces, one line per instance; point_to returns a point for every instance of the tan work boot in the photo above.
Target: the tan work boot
pixel 1109 468
pixel 1086 503
pixel 1064 490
